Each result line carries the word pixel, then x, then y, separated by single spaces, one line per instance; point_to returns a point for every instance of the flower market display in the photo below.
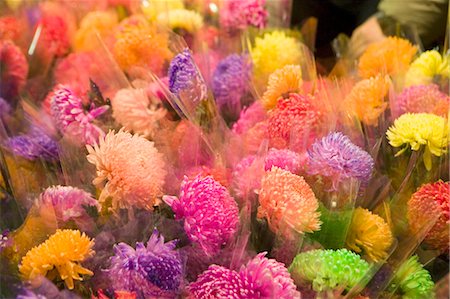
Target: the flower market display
pixel 192 149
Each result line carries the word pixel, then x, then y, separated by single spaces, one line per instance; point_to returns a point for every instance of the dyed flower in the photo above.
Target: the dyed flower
pixel 423 98
pixel 260 278
pixel 54 35
pixel 136 111
pixel 14 70
pixel 211 216
pixel 152 271
pixel 369 233
pixel 238 15
pixel 249 117
pixel 412 130
pixel 10 28
pixel 247 176
pixel 93 23
pixel 286 199
pixel 391 56
pixel 412 281
pixel 336 159
pixel 329 269
pixel 429 67
pixel 430 201
pixel 230 81
pixel 281 83
pixel 181 19
pixel 294 120
pixel 60 255
pixel 284 159
pixel 254 137
pixel 273 51
pixel 367 99
pixel 130 170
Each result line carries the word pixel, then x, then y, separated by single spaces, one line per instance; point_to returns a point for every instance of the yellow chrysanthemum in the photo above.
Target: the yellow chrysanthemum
pixel 391 56
pixel 412 130
pixel 369 233
pixel 367 99
pixel 152 8
pixel 273 51
pixel 282 82
pixel 61 254
pixel 94 22
pixel 187 20
pixel 429 66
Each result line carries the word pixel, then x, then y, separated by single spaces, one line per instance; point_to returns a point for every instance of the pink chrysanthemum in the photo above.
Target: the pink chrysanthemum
pixel 260 278
pixel 211 215
pixel 10 28
pixel 247 176
pixel 294 121
pixel 423 98
pixel 14 70
pixel 54 37
pixel 431 200
pixel 286 199
pixel 249 117
pixel 253 138
pixel 72 118
pixel 284 159
pixel 130 170
pixel 238 14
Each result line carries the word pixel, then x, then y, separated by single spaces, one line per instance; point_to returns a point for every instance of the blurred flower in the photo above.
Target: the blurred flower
pixel 61 252
pixel 93 23
pixel 14 70
pixel 54 37
pixel 329 269
pixel 412 281
pixel 187 20
pixel 287 201
pixel 5 240
pixel 211 216
pixel 152 271
pixel 130 170
pixel 412 130
pixel 282 82
pixel 429 67
pixel 284 159
pixel 259 278
pixel 273 51
pixel 336 159
pixel 10 28
pixel 73 118
pixel 117 295
pixel 391 56
pixel 231 80
pixel 249 117
pixel 367 99
pixel 247 176
pixel 237 14
pixel 136 111
pixel 152 8
pixel 253 138
pixel 5 110
pixel 431 201
pixel 369 233
pixel 423 98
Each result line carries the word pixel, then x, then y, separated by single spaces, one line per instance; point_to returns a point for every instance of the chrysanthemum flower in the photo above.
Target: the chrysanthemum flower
pixel 273 51
pixel 281 83
pixel 152 271
pixel 412 281
pixel 284 159
pixel 136 111
pixel 60 255
pixel 151 9
pixel 294 120
pixel 286 200
pixel 254 136
pixel 130 170
pixel 391 56
pixel 431 200
pixel 211 215
pixel 10 28
pixel 367 99
pixel 237 14
pixel 14 70
pixel 93 23
pixel 336 159
pixel 247 176
pixel 429 67
pixel 72 118
pixel 370 234
pixel 412 130
pixel 328 269
pixel 423 98
pixel 260 278
pixel 184 19
pixel 54 37
pixel 249 117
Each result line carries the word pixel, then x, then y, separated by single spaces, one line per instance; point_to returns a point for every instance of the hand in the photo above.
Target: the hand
pixel 367 33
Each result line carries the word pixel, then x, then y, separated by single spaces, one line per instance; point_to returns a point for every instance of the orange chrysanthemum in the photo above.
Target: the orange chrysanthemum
pixel 390 56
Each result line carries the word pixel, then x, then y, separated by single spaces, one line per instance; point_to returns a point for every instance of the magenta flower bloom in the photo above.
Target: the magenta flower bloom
pixel 238 14
pixel 284 159
pixel 260 278
pixel 34 145
pixel 72 118
pixel 337 159
pixel 247 175
pixel 423 99
pixel 249 117
pixel 14 70
pixel 211 215
pixel 152 271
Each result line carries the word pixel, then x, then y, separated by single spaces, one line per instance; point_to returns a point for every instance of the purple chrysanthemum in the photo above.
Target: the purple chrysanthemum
pixel 284 159
pixel 230 81
pixel 154 270
pixel 72 118
pixel 210 214
pixel 260 278
pixel 337 159
pixel 34 145
pixel 5 109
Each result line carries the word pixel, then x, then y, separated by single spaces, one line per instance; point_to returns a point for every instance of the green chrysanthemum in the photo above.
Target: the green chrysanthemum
pixel 328 269
pixel 412 281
